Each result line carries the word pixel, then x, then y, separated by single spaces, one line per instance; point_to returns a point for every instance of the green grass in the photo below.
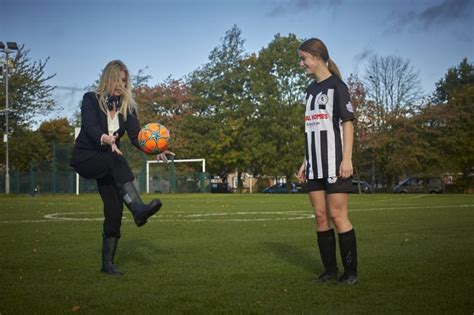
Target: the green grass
pixel 235 254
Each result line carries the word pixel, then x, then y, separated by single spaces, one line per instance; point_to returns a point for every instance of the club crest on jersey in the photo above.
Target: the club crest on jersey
pixel 349 107
pixel 332 180
pixel 322 99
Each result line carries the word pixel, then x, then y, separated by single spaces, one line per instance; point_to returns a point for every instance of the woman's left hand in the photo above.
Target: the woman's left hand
pixel 116 149
pixel 345 169
pixel 163 156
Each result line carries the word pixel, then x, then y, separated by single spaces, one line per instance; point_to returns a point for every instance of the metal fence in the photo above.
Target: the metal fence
pixel 56 176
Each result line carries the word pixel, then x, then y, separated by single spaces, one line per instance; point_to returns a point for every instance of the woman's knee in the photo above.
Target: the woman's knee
pixel 321 215
pixel 339 214
pixel 340 220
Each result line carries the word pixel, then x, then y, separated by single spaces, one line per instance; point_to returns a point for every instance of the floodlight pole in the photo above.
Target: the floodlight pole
pixel 7 50
pixel 7 173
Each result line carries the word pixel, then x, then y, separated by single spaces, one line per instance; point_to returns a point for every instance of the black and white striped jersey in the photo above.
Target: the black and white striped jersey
pixel 327 105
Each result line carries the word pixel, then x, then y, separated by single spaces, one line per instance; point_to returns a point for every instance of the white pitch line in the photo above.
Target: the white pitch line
pixel 206 217
pixel 237 220
pixel 412 207
pixel 417 196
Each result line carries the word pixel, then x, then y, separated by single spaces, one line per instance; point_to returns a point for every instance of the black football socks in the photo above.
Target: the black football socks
pixel 327 250
pixel 348 248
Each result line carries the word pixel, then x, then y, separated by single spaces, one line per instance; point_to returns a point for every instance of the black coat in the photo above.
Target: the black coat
pixel 94 125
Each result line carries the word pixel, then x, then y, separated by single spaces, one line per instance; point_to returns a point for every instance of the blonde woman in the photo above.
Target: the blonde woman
pixel 327 167
pixel 105 116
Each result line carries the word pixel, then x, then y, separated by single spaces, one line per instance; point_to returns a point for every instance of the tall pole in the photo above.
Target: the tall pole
pixel 7 174
pixel 10 47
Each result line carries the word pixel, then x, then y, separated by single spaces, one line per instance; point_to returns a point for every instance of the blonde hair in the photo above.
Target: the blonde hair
pixel 316 47
pixel 107 83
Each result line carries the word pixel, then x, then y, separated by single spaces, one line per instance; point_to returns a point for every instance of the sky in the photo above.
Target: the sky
pixel 173 38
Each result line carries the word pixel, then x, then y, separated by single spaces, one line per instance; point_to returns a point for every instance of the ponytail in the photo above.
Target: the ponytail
pixel 333 68
pixel 316 47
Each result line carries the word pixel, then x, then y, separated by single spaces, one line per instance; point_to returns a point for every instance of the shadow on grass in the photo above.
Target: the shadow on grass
pixel 141 251
pixel 294 255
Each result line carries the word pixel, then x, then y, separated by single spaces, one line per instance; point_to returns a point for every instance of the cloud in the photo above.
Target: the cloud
pixel 363 55
pixel 442 14
pixel 278 10
pixel 284 7
pixel 446 12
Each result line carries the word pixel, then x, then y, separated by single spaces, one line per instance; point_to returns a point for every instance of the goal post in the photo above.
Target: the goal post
pixel 202 161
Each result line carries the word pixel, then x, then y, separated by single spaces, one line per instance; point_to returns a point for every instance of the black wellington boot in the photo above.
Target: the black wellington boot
pixel 327 250
pixel 140 211
pixel 109 246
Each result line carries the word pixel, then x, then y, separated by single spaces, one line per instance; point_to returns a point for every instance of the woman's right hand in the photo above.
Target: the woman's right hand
pixel 110 140
pixel 106 139
pixel 302 173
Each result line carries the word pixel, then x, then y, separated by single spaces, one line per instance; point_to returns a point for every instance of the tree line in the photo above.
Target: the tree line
pixel 244 112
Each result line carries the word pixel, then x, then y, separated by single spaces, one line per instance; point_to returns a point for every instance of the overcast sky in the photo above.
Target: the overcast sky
pixel 173 38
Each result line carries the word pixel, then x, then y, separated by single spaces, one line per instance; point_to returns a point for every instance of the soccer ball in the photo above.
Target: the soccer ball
pixel 153 138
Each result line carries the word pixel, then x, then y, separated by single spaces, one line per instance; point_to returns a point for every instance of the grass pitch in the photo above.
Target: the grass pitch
pixel 235 254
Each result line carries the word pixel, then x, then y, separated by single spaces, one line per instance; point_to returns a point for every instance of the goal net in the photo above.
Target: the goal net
pixel 182 175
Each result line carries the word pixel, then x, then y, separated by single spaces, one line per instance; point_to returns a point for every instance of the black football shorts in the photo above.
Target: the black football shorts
pixel 331 185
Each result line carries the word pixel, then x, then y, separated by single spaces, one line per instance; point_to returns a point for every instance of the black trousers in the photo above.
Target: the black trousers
pixel 111 171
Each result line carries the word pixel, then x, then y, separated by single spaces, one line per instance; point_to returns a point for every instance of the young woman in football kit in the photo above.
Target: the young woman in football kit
pixel 105 116
pixel 327 167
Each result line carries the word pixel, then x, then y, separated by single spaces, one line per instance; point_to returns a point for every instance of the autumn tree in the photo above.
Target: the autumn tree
pixel 362 156
pixel 220 110
pixel 167 103
pixel 393 85
pixel 456 78
pixel 58 135
pixel 29 95
pixel 56 131
pixel 393 95
pixel 449 121
pixel 29 92
pixel 277 87
pixel 28 148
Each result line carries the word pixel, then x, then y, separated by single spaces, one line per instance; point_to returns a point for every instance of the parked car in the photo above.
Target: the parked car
pixel 282 188
pixel 220 188
pixel 425 185
pixel 364 187
pixel 299 188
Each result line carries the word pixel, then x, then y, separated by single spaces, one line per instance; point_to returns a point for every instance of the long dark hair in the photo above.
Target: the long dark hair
pixel 316 47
